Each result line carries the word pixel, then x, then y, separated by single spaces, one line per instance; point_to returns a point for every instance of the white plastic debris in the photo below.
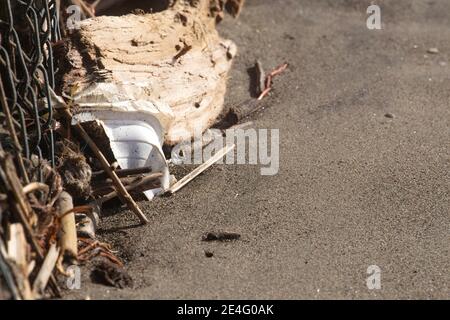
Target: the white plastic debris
pixel 134 127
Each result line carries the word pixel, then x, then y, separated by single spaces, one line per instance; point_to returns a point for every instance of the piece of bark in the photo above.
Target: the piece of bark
pixel 68 235
pixel 153 57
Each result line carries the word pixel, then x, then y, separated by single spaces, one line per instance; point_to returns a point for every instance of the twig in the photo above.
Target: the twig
pixel 141 185
pixel 186 179
pixel 46 270
pixel 123 172
pixel 126 180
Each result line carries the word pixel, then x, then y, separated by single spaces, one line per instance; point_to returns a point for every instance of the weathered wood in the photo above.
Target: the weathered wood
pixel 46 270
pixel 68 235
pixel 17 245
pixel 18 254
pixel 175 56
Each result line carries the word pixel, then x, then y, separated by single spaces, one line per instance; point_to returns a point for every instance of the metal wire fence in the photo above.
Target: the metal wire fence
pixel 28 32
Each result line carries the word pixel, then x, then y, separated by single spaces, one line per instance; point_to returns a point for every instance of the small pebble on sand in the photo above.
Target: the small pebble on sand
pixel 433 50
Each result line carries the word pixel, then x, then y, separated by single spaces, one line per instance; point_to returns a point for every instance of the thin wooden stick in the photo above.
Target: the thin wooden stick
pixel 141 185
pixel 121 191
pixel 46 270
pixel 186 179
pixel 123 172
pixel 99 187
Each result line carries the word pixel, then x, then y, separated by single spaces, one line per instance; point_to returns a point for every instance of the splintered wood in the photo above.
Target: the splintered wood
pixel 175 56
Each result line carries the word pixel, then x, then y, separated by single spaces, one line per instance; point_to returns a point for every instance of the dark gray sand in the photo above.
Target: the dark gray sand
pixel 355 187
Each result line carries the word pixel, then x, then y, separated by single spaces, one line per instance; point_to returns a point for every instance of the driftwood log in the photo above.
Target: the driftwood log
pixel 175 57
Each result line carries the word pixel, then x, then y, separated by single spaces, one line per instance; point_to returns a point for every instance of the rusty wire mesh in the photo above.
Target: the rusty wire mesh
pixel 28 31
